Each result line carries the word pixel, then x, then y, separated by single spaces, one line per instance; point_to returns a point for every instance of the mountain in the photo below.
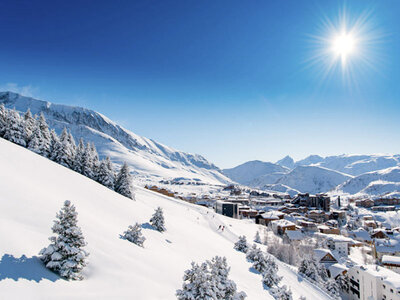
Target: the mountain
pixel 312 179
pixel 150 160
pixel 252 170
pixel 287 162
pixel 309 160
pixel 33 190
pixel 373 183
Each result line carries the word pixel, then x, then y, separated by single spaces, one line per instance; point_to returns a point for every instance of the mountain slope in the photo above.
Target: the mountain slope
pixel 147 157
pixel 287 162
pixel 252 170
pixel 312 179
pixel 373 183
pixel 33 190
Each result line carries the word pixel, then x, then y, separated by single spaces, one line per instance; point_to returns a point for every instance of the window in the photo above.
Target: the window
pixel 391 290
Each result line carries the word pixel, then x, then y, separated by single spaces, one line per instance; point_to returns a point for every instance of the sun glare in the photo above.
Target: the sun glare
pixel 343 44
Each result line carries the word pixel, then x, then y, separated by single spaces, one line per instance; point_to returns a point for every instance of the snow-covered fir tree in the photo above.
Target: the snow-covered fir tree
pixel 157 220
pixel 257 238
pixel 282 293
pixel 332 288
pixel 134 235
pixel 94 156
pixel 342 282
pixel 87 162
pixel 260 262
pixel 308 267
pixel 106 175
pixel 65 254
pixel 270 276
pixel 35 143
pixel 47 138
pixel 123 182
pixel 197 284
pixel 225 288
pixel 241 244
pixel 14 130
pixel 78 161
pixel 63 151
pixel 253 252
pixel 29 125
pixel 3 119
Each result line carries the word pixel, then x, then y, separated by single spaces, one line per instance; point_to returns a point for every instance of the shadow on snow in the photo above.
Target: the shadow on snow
pixel 25 268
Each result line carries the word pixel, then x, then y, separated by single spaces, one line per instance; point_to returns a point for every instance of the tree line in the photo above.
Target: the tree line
pixel 32 132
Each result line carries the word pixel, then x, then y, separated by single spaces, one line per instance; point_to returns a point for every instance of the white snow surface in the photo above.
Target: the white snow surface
pixel 146 157
pixel 33 190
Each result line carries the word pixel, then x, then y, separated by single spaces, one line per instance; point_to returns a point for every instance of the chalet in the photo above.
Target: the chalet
pixel 328 229
pixel 279 227
pixel 307 226
pixel 360 235
pixel 391 262
pixel 318 216
pixel 293 236
pixel 325 257
pixel 383 247
pixel 267 217
pixel 379 233
pixel 336 270
pixel 247 212
pixel 318 201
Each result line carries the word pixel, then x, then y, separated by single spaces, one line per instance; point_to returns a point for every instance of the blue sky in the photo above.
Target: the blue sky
pixel 231 80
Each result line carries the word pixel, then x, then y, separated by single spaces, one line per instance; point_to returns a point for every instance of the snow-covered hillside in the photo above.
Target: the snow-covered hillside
pixel 252 171
pixel 312 179
pixel 34 188
pixel 373 183
pixel 147 157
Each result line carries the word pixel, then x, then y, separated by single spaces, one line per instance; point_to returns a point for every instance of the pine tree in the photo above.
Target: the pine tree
pixel 253 252
pixel 257 238
pixel 134 235
pixel 63 152
pixel 65 254
pixel 106 174
pixel 54 140
pixel 308 267
pixel 157 220
pixel 3 119
pixel 241 244
pixel 260 262
pixel 87 162
pixel 282 293
pixel 123 182
pixel 332 288
pixel 78 161
pixel 94 156
pixel 47 138
pixel 270 276
pixel 15 128
pixel 342 282
pixel 29 125
pixel 35 141
pixel 197 284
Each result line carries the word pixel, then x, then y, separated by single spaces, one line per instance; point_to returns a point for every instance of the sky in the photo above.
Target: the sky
pixel 231 80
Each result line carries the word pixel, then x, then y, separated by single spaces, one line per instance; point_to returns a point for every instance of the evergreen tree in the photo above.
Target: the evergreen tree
pixel 87 162
pixel 157 220
pixel 197 284
pixel 29 126
pixel 282 293
pixel 257 238
pixel 15 128
pixel 36 141
pixel 78 161
pixel 270 276
pixel 63 150
pixel 106 174
pixel 253 252
pixel 308 267
pixel 65 254
pixel 54 140
pixel 94 156
pixel 47 138
pixel 225 288
pixel 3 119
pixel 134 235
pixel 260 263
pixel 123 182
pixel 342 282
pixel 332 288
pixel 241 244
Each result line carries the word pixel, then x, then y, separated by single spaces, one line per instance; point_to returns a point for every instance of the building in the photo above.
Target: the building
pixel 373 282
pixel 383 247
pixel 318 201
pixel 293 236
pixel 268 217
pixel 280 226
pixel 227 209
pixel 325 257
pixel 391 262
pixel 339 244
pixel 365 203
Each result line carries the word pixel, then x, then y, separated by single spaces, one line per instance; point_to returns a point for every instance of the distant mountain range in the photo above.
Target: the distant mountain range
pixel 358 175
pixel 149 159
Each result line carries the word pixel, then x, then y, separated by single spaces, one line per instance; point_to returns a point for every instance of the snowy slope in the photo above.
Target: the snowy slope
pixel 312 179
pixel 373 183
pixel 147 157
pixel 253 170
pixel 33 190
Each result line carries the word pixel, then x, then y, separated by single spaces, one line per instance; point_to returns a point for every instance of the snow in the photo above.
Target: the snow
pixel 389 259
pixel 33 191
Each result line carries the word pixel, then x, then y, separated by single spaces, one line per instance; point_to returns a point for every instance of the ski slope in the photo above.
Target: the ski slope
pixel 33 190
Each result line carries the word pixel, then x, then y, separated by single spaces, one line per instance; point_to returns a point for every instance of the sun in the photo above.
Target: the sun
pixel 343 45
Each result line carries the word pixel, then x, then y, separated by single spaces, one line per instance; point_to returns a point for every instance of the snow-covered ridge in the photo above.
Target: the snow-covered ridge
pixel 146 156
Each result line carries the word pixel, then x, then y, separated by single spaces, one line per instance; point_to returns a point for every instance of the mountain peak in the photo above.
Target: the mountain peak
pixel 287 161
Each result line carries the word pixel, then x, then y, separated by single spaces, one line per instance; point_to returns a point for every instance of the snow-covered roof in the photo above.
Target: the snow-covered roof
pixel 337 269
pixel 321 253
pixel 387 246
pixel 282 223
pixel 273 215
pixel 294 235
pixel 390 259
pixel 361 234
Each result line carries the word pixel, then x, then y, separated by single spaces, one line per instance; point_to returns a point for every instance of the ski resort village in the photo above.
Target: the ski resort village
pixel 200 150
